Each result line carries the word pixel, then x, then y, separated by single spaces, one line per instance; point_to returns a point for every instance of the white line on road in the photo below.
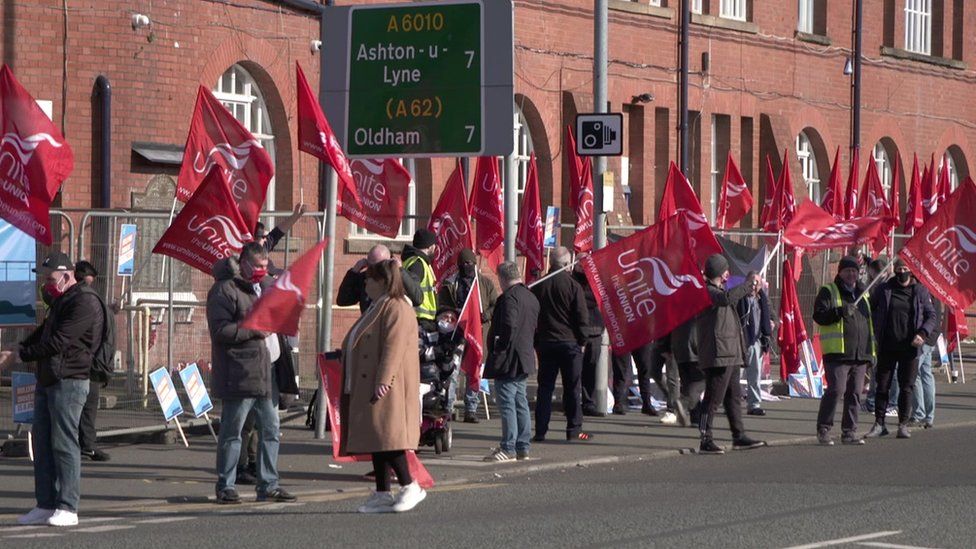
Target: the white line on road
pixel 163 520
pixel 12 529
pixel 106 528
pixel 35 535
pixel 842 541
pixel 891 545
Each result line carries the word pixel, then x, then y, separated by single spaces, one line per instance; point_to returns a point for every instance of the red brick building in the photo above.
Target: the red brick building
pixel 766 77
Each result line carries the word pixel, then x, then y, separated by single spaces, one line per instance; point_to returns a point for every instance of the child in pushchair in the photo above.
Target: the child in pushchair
pixel 440 356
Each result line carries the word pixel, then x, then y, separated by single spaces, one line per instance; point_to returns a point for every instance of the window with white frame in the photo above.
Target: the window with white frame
pixel 696 6
pixel 883 163
pixel 808 166
pixel 918 26
pixel 733 9
pixel 523 151
pixel 953 173
pixel 409 223
pixel 237 91
pixel 652 2
pixel 715 183
pixel 805 16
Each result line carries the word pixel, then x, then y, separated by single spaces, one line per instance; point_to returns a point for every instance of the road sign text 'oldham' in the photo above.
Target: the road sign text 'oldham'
pixel 415 79
pixel 419 79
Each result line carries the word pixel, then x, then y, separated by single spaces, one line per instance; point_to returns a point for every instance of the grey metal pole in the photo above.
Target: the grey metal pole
pixel 169 316
pixel 683 88
pixel 510 195
pixel 599 167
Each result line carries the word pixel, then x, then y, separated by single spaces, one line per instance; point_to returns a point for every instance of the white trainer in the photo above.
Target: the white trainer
pixel 62 517
pixel 35 516
pixel 669 418
pixel 378 502
pixel 409 496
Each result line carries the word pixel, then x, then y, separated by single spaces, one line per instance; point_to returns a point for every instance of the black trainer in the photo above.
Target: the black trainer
pixel 95 455
pixel 746 443
pixel 228 496
pixel 708 446
pixel 278 495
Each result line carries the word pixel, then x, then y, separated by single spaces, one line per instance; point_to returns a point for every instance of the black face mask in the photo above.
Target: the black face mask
pixel 903 277
pixel 468 271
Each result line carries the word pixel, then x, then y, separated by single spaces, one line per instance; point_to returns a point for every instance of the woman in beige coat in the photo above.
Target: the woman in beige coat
pixel 381 394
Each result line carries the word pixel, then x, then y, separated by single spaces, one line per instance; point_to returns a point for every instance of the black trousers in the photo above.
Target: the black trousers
pixel 845 381
pixel 383 462
pixel 692 385
pixel 86 425
pixel 248 459
pixel 906 363
pixel 591 355
pixel 722 387
pixel 565 359
pixel 650 364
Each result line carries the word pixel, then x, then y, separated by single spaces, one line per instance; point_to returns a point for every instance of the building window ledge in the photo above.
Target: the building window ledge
pixel 724 23
pixel 814 38
pixel 642 8
pixel 899 53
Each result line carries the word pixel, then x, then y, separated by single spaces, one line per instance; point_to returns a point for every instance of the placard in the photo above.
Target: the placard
pixel 552 226
pixel 127 250
pixel 196 389
pixel 169 401
pixel 22 386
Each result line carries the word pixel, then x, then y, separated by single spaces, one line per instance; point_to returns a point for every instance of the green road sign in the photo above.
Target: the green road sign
pixel 415 80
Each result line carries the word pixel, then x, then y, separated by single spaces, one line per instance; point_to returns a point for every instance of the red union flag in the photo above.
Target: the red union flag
pixel 529 239
pixel 383 187
pixel 942 254
pixel 956 327
pixel 945 186
pixel 315 136
pixel 930 191
pixel 218 139
pixel 647 284
pixel 470 322
pixel 580 195
pixel 209 228
pixel 486 208
pixel 736 199
pixel 767 208
pixel 680 198
pixel 792 332
pixel 814 229
pixel 872 202
pixel 783 208
pixel 915 212
pixel 34 160
pixel 833 199
pixel 279 308
pixel 449 221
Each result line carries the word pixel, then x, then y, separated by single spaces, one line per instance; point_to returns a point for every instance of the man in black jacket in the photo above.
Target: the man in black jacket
pixel 63 347
pixel 903 317
pixel 757 329
pixel 721 354
pixel 559 341
pixel 511 359
pixel 85 273
pixel 352 289
pixel 242 374
pixel 593 330
pixel 847 342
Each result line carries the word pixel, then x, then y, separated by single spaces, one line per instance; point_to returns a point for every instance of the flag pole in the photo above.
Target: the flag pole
pixel 466 299
pixel 769 259
pixel 962 371
pixel 554 273
pixel 172 213
pixel 867 291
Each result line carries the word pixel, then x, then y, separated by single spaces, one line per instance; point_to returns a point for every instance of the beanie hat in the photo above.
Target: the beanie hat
pixel 424 238
pixel 466 256
pixel 848 262
pixel 899 263
pixel 715 266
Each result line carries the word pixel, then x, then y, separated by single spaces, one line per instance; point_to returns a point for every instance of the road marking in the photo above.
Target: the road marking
pixel 101 519
pixel 163 520
pixel 842 541
pixel 277 506
pixel 12 529
pixel 891 545
pixel 35 535
pixel 105 528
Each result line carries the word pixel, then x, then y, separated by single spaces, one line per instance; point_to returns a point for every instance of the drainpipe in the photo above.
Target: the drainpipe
pixel 103 89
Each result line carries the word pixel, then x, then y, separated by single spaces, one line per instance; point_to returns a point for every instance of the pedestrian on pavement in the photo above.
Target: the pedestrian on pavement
pixel 682 345
pixel 651 362
pixel 721 354
pixel 452 295
pixel 757 329
pixel 560 340
pixel 63 347
pixel 593 330
pixel 352 289
pixel 380 404
pixel 848 346
pixel 923 413
pixel 417 260
pixel 511 360
pixel 85 273
pixel 243 376
pixel 903 317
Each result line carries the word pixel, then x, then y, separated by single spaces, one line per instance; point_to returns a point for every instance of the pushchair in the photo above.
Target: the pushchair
pixel 440 356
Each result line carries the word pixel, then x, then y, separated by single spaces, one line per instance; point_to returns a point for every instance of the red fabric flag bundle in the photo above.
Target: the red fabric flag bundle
pixel 767 210
pixel 944 186
pixel 942 254
pixel 647 284
pixel 332 372
pixel 469 321
pixel 580 195
pixel 872 202
pixel 850 199
pixel 792 331
pixel 914 210
pixel 930 190
pixel 209 228
pixel 315 136
pixel 814 229
pixel 34 160
pixel 529 239
pixel 383 187
pixel 783 207
pixel 279 309
pixel 736 198
pixel 487 210
pixel 449 221
pixel 218 139
pixel 680 198
pixel 833 199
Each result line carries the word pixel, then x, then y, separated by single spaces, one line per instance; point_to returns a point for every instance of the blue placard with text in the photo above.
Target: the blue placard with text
pixel 196 389
pixel 22 386
pixel 169 401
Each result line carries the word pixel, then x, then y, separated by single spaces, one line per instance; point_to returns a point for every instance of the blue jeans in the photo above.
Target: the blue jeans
pixel 925 387
pixel 754 359
pixel 470 397
pixel 513 406
pixel 232 418
pixel 57 454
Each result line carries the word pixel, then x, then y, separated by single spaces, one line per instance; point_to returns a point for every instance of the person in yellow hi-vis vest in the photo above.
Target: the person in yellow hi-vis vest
pixel 847 341
pixel 417 262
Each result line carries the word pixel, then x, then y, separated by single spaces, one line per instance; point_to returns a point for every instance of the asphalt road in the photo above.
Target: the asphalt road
pixel 889 493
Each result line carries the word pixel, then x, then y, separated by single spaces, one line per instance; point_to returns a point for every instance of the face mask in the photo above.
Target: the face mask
pixel 52 289
pixel 445 326
pixel 46 296
pixel 468 270
pixel 258 274
pixel 903 277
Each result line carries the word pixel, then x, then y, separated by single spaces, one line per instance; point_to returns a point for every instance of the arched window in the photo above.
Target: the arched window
pixel 883 164
pixel 808 166
pixel 953 172
pixel 523 151
pixel 237 91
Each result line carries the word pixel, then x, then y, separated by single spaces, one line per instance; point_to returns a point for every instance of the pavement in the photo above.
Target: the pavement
pixel 174 481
